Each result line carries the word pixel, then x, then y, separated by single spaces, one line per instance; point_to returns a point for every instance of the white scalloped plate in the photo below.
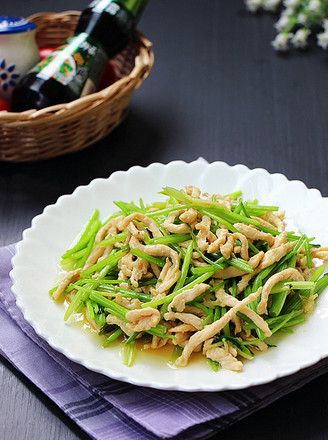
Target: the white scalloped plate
pixel 35 269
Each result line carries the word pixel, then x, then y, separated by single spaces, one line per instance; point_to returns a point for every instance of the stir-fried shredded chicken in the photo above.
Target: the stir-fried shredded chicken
pixel 199 271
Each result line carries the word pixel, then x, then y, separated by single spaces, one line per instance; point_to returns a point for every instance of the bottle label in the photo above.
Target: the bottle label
pixel 77 64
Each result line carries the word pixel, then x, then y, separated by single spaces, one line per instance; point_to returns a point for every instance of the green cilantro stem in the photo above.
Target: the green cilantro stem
pixel 154 260
pixel 110 261
pixel 85 235
pixel 185 267
pixel 112 337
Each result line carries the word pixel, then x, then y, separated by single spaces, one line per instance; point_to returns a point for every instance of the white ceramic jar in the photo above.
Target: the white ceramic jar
pixel 18 52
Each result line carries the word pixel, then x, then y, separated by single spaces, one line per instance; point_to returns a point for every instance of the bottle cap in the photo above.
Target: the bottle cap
pixel 15 25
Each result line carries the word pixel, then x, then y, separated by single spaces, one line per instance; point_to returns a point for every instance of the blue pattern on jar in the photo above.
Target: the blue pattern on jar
pixel 7 75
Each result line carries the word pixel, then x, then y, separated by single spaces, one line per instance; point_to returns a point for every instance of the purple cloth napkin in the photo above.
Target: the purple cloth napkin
pixel 109 409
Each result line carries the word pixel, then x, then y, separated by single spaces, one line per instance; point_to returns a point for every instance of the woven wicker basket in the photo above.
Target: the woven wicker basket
pixel 65 128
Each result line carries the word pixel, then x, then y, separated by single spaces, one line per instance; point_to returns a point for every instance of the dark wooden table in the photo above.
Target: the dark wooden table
pixel 217 90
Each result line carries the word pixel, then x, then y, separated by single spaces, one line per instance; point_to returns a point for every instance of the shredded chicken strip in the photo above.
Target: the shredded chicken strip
pixel 230 301
pixel 111 319
pixel 195 310
pixel 183 328
pixel 92 322
pixel 221 234
pixel 181 338
pixel 321 253
pixel 243 283
pixel 284 275
pixel 261 346
pixel 187 318
pixel 139 270
pixel 125 265
pixel 252 233
pixel 226 249
pixel 264 222
pixel 238 323
pixel 273 255
pixel 128 303
pixel 225 201
pixel 307 273
pixel 164 271
pixel 156 270
pixel 136 229
pixel 275 220
pixel 244 245
pixel 205 236
pixel 143 319
pixel 280 239
pixel 180 300
pixel 161 250
pixel 193 191
pixel 173 228
pixel 211 330
pixel 95 254
pixel 189 216
pixel 156 342
pixel 111 227
pixel 147 221
pixel 70 277
pixel 225 359
pixel 107 251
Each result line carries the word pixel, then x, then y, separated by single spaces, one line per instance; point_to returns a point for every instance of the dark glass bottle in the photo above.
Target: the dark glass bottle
pixel 75 68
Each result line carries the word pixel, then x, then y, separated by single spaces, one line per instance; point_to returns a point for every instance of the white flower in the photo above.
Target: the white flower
pixel 325 24
pixel 291 3
pixel 299 39
pixel 314 6
pixel 289 11
pixel 282 23
pixel 281 41
pixel 323 39
pixel 302 18
pixel 271 5
pixel 254 5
